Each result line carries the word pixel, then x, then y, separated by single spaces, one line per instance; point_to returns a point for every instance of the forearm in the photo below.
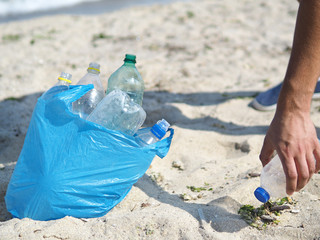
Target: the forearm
pixel 292 133
pixel 304 64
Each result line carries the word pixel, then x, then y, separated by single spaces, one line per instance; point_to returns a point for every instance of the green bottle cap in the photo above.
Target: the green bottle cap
pixel 130 58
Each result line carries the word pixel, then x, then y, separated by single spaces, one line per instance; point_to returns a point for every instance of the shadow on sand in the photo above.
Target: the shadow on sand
pixel 220 214
pixel 158 104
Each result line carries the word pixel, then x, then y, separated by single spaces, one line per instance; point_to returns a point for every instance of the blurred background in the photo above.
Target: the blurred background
pixel 12 10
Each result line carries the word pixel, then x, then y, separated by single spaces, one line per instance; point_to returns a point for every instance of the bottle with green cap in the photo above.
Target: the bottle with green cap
pixel 85 105
pixel 272 181
pixel 64 80
pixel 128 79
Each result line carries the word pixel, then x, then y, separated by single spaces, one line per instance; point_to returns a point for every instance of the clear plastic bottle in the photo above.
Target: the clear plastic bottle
pixel 272 181
pixel 64 80
pixel 128 79
pixel 118 112
pixel 85 105
pixel 147 136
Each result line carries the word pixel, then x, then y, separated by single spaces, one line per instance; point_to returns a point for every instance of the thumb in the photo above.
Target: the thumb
pixel 266 151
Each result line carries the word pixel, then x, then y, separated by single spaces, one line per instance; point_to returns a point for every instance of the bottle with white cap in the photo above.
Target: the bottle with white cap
pixel 272 181
pixel 85 105
pixel 147 136
pixel 64 80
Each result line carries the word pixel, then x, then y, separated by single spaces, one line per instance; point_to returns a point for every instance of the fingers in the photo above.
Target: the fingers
pixel 316 154
pixel 290 170
pixel 317 164
pixel 303 172
pixel 266 152
pixel 298 171
pixel 311 164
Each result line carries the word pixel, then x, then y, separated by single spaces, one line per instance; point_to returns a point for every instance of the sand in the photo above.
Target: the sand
pixel 202 63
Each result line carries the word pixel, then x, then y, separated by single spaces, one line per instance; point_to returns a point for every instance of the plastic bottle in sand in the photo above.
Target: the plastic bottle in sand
pixel 272 181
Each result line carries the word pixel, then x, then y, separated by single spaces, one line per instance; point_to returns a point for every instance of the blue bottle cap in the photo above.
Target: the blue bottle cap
pixel 262 195
pixel 160 128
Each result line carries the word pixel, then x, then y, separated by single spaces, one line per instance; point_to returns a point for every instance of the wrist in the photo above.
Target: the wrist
pixel 295 97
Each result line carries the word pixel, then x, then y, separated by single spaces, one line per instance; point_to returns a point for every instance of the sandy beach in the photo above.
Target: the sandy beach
pixel 202 62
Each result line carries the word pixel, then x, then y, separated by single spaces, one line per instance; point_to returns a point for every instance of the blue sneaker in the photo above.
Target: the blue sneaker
pixel 267 101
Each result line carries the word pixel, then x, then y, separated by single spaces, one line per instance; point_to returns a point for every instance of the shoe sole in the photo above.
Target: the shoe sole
pixel 261 107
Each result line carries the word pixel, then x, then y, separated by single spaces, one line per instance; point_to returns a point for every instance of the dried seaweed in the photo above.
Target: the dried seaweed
pixel 266 214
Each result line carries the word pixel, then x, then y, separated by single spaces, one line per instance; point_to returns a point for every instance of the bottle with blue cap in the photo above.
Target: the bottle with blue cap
pixel 272 181
pixel 147 136
pixel 64 80
pixel 85 105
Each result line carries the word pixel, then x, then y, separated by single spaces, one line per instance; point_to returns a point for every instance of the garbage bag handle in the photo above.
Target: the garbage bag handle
pixel 74 92
pixel 161 148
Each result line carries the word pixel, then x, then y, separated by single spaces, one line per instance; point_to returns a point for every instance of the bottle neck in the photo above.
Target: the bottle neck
pixel 129 64
pixel 93 70
pixel 64 81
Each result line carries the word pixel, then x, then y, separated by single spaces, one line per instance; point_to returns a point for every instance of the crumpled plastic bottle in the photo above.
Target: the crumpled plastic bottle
pixel 118 112
pixel 272 181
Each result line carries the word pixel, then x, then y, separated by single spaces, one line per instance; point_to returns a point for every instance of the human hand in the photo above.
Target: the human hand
pixel 294 138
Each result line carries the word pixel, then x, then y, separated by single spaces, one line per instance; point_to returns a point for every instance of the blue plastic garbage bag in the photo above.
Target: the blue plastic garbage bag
pixel 71 167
